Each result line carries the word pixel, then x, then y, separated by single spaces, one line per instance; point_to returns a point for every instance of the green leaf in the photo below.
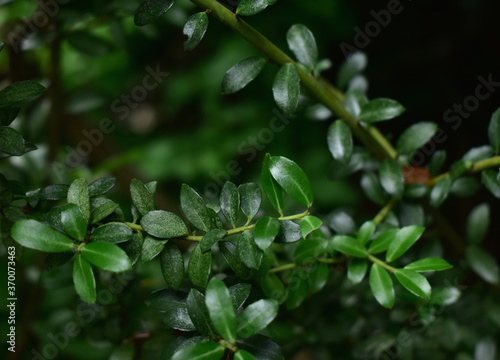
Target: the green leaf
pixel 200 351
pixel 366 231
pixel 271 188
pixel 83 278
pixel 106 256
pixel 163 224
pixel 8 115
pixel 12 142
pixel 261 347
pixel 244 355
pixel 478 153
pixel 302 43
pixel 414 282
pixel 199 267
pixel 133 248
pixel 265 231
pixel 239 294
pixel 372 188
pixel 381 286
pixel 195 29
pixel 356 270
pixel 494 131
pixel 248 251
pixel 55 260
pixel 230 253
pixel 89 43
pixel 230 202
pixel 173 305
pixel 78 194
pixel 309 249
pixel 429 264
pixel 141 197
pixel 101 186
pixel 292 179
pixel 273 288
pixel 252 7
pixel 172 265
pixel 286 89
pixel 73 222
pixel 437 162
pixel 391 178
pixel 477 224
pixel 380 110
pixel 297 289
pixel 403 240
pixel 113 232
pixel 416 136
pixel 221 309
pixel 20 91
pixel 211 238
pixel 250 198
pixel 150 10
pixel 354 64
pixel 198 313
pixel 256 317
pixel 354 100
pixel 483 264
pixel 491 182
pixel 241 74
pixel 340 141
pixel 35 235
pixel 289 232
pixel 318 276
pixel 349 245
pixel 194 208
pixel 381 242
pixel 440 192
pixel 308 224
pixel 101 208
pixel 151 248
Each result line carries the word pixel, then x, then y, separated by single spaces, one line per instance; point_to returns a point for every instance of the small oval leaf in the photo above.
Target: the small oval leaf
pixel 241 74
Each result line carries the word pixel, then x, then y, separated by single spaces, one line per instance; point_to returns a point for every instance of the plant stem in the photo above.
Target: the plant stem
pixel 381 263
pixel 473 168
pixel 385 210
pixel 370 136
pixel 283 268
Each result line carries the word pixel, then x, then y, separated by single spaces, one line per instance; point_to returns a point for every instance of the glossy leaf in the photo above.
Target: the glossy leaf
pixel 354 64
pixel 241 74
pixel 297 288
pixel 73 222
pixel 150 10
pixel 113 232
pixel 198 313
pixel 200 265
pixel 494 131
pixel 302 43
pixel 252 7
pixel 256 317
pixel 106 256
pixel 372 188
pixel 195 208
pixel 12 142
pixel 200 351
pixel 354 100
pixel 244 355
pixel 273 287
pixel 250 199
pixel 173 305
pixel 239 294
pixel 309 249
pixel 382 241
pixel 318 276
pixel 248 251
pixel 381 286
pixel 151 248
pixel 35 235
pixel 292 179
pixel 230 253
pixel 416 136
pixel 133 248
pixel 391 177
pixel 440 191
pixel 483 264
pixel 172 265
pixel 261 347
pixel 195 29
pixel 356 270
pixel 308 224
pixel 349 245
pixel 429 264
pixel 414 282
pixel 339 139
pixel 141 197
pixel 78 194
pixel 271 188
pixel 220 309
pixel 491 181
pixel 380 110
pixel 289 232
pixel 286 89
pixel 101 208
pixel 84 280
pixel 19 91
pixel 230 202
pixel 478 153
pixel 477 224
pixel 211 238
pixel 403 240
pixel 265 231
pixel 163 224
pixel 366 231
pixel 101 186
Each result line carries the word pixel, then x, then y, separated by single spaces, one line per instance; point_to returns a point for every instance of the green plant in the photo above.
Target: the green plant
pixel 231 267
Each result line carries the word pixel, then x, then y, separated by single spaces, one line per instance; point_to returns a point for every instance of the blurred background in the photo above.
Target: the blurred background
pixel 129 102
